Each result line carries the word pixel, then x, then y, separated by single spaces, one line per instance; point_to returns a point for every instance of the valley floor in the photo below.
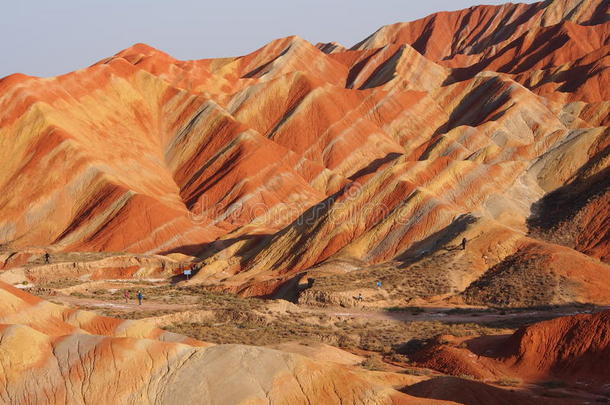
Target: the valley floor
pixel 375 338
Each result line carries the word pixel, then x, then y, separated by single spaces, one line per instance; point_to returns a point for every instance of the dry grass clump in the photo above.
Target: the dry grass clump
pixel 74 257
pixel 251 321
pixel 60 283
pixel 418 371
pixel 374 363
pixel 517 281
pixel 252 327
pixel 428 277
pixel 509 382
pixel 553 384
pixel 123 314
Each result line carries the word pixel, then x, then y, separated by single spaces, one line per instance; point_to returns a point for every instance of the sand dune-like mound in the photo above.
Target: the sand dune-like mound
pixel 103 370
pixel 572 349
pixel 56 355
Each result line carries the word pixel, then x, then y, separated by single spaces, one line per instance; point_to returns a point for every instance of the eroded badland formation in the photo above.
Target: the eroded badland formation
pixel 423 218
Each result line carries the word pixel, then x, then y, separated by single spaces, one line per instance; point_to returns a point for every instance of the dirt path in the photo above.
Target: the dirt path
pixel 131 305
pixel 426 314
pixel 442 315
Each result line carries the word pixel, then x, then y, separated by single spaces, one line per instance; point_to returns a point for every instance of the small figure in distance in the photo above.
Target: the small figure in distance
pixel 140 297
pixel 378 284
pixel 189 270
pixel 47 258
pixel 464 243
pixel 360 297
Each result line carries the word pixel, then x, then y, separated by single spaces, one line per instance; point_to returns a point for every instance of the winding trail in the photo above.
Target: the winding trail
pixel 444 315
pixel 428 314
pixel 131 305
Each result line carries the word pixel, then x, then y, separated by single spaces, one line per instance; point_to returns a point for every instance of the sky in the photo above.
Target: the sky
pixel 51 37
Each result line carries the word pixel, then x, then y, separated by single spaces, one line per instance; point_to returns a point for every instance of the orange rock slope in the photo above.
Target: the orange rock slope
pixel 489 123
pixel 573 349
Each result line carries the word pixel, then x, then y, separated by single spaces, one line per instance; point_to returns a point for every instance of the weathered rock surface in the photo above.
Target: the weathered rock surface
pixel 573 348
pixel 489 123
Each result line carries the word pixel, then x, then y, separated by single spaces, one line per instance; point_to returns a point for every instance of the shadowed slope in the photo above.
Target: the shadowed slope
pixel 479 29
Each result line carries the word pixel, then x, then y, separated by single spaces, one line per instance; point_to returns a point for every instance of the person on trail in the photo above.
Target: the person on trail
pixel 140 297
pixel 47 257
pixel 464 243
pixel 126 295
pixel 360 297
pixel 378 284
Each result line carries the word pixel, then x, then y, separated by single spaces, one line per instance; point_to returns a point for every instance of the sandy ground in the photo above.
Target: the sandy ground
pixel 130 305
pixel 428 314
pixel 441 314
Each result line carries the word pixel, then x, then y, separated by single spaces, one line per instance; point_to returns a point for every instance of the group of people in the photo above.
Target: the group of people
pixel 378 283
pixel 189 271
pixel 139 296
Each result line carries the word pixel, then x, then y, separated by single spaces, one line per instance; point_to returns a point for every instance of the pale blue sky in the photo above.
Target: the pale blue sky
pixel 50 37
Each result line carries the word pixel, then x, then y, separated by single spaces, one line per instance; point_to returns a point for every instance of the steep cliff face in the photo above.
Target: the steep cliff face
pixel 481 124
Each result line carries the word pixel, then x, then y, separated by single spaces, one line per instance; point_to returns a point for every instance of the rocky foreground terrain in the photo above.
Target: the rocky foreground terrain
pixel 421 218
pixel 52 354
